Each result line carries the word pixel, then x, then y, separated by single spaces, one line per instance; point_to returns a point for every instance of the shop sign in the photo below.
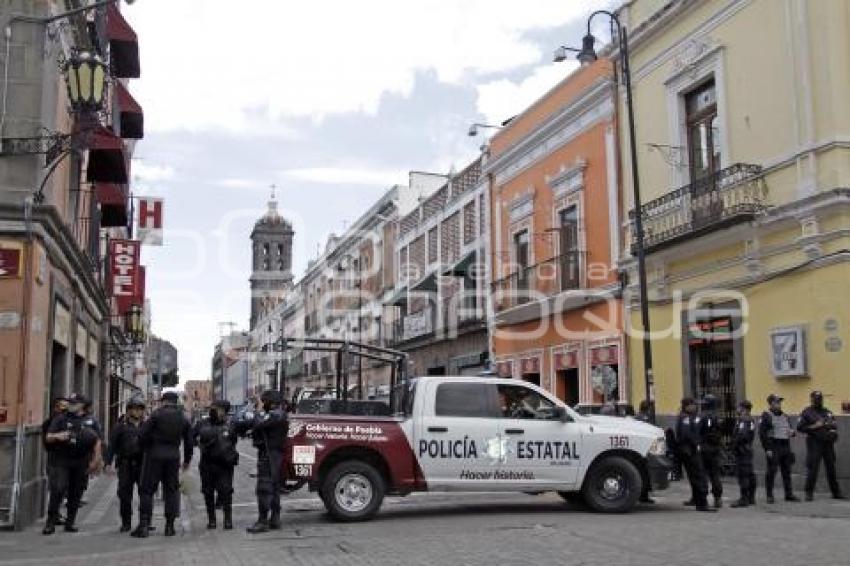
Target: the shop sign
pixel 124 273
pixel 706 331
pixel 418 323
pixel 566 360
pixel 788 351
pixel 530 365
pixel 9 320
pixel 10 262
pixel 61 325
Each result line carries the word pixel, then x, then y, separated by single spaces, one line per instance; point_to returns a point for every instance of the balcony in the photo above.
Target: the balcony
pixel 547 278
pixel 730 196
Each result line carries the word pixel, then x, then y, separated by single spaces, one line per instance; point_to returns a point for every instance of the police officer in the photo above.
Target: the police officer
pixel 742 446
pixel 775 434
pixel 160 437
pixel 60 405
pixel 74 446
pixel 90 421
pixel 217 441
pixel 818 423
pixel 126 451
pixel 689 441
pixel 712 447
pixel 268 435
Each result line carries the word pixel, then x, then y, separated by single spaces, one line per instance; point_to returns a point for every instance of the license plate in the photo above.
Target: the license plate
pixel 303 471
pixel 304 455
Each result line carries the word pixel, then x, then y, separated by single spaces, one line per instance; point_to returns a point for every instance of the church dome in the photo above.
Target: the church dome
pixel 272 218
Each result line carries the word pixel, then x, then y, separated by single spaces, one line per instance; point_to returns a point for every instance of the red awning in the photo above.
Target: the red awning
pixel 123 45
pixel 107 158
pixel 131 120
pixel 113 204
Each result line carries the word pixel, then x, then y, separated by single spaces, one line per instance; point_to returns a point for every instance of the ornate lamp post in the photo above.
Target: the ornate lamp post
pixel 587 55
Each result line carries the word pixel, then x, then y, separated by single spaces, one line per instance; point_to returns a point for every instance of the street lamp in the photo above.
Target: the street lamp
pixel 343 267
pixel 587 55
pixel 473 128
pixel 85 75
pixel 134 321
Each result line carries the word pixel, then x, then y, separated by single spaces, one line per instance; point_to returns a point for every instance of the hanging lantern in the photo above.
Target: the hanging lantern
pixel 86 77
pixel 135 324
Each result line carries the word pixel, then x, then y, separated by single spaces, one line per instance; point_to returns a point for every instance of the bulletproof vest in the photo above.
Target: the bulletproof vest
pixel 130 445
pixel 780 426
pixel 216 443
pixel 711 430
pixel 82 438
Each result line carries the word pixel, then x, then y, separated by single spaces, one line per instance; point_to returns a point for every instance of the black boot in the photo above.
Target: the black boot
pixel 49 526
pixel 274 521
pixel 261 526
pixel 228 517
pixel 69 522
pixel 169 528
pixel 142 530
pixel 211 524
pixel 718 502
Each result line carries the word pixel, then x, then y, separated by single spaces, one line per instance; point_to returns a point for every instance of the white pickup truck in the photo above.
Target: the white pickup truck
pixel 474 434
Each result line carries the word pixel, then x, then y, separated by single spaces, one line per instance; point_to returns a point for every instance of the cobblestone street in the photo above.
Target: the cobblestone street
pixel 465 529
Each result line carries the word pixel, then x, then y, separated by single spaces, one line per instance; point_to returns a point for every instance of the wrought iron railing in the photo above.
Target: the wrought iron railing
pixel 731 195
pixel 544 279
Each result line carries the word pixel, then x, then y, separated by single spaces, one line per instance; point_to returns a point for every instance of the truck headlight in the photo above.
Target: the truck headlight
pixel 658 447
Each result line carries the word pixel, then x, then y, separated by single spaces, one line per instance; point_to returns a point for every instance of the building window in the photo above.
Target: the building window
pixel 432 245
pixel 280 249
pixel 568 241
pixel 265 249
pixel 703 128
pixel 469 223
pixel 521 258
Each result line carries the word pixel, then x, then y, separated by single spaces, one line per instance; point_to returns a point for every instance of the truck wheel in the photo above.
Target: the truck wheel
pixel 613 485
pixel 353 491
pixel 572 497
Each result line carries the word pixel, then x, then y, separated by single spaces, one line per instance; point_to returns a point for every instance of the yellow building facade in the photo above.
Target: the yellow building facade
pixel 743 134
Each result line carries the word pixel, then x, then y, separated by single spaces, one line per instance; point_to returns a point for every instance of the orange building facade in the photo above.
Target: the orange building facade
pixel 555 313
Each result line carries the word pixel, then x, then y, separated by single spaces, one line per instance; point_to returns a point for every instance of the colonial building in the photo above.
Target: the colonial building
pixel 440 287
pixel 64 174
pixel 744 169
pixel 556 312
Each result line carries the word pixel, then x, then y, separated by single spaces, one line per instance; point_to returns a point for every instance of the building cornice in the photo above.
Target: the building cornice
pixel 594 104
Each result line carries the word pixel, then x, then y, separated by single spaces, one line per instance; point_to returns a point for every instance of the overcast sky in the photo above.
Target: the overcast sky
pixel 333 101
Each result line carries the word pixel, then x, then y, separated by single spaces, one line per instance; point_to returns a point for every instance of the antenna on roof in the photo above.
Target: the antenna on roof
pixel 273 187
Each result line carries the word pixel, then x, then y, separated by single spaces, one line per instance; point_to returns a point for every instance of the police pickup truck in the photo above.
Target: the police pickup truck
pixel 474 434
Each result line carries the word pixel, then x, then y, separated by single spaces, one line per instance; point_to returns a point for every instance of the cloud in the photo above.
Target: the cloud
pixel 348 176
pixel 216 64
pixel 501 99
pixel 237 183
pixel 151 173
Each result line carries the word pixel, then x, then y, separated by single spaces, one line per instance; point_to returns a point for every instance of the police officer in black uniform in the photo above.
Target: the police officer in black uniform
pixel 125 450
pixel 161 436
pixel 712 447
pixel 818 423
pixel 217 440
pixel 75 446
pixel 775 433
pixel 268 433
pixel 742 446
pixel 689 441
pixel 60 406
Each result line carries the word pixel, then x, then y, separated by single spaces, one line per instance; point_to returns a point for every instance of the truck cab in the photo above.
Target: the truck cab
pixel 475 434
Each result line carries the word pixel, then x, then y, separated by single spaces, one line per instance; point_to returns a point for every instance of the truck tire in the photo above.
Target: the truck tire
pixel 613 485
pixel 353 491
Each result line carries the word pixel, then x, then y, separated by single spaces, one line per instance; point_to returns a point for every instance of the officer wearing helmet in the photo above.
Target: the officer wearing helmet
pixel 125 451
pixel 217 440
pixel 268 433
pixel 712 447
pixel 161 436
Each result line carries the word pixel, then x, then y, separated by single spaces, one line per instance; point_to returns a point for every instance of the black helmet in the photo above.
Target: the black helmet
pixel 271 397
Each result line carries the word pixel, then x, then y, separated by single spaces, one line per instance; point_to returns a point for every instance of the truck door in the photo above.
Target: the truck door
pixel 542 450
pixel 456 435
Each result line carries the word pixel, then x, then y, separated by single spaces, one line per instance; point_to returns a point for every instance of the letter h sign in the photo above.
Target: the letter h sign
pixel 150 221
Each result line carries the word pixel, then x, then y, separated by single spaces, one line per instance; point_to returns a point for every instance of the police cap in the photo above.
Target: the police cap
pixel 135 402
pixel 171 397
pixel 79 398
pixel 816 395
pixel 773 398
pixel 746 405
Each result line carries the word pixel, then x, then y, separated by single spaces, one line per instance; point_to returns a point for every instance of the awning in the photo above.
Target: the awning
pixel 130 118
pixel 123 45
pixel 107 158
pixel 428 283
pixel 462 267
pixel 398 298
pixel 113 204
